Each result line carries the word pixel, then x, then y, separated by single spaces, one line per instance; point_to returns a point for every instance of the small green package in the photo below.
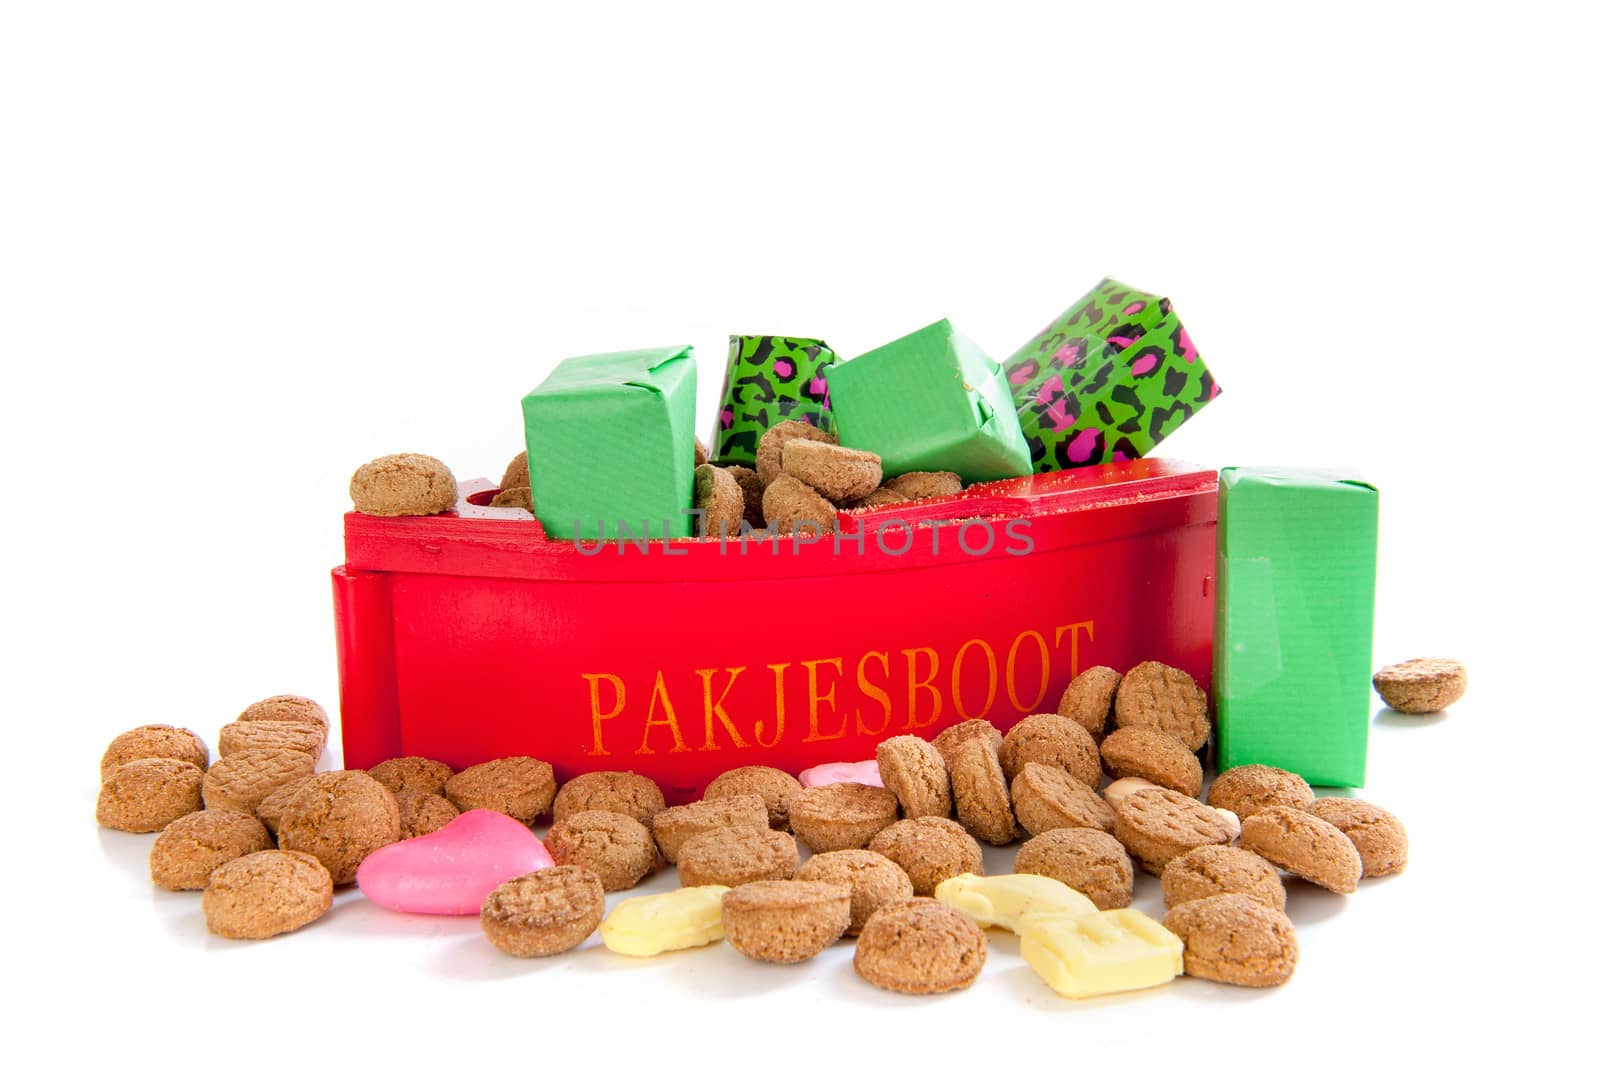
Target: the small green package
pixel 611 445
pixel 769 379
pixel 931 400
pixel 1297 558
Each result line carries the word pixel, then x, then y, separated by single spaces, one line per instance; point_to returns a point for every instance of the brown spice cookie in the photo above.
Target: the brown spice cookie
pixel 544 912
pixel 403 484
pixel 930 849
pixel 676 825
pixel 1421 685
pixel 775 788
pixel 769 449
pixel 516 475
pixel 1157 825
pixel 791 506
pixel 750 485
pixel 1235 939
pixel 1166 699
pixel 339 818
pixel 155 741
pixel 1219 869
pixel 873 881
pixel 518 787
pixel 1305 845
pixel 271 735
pixel 1088 699
pixel 287 708
pixel 785 921
pixel 983 802
pixel 913 769
pixel 1085 860
pixel 1153 756
pixel 241 781
pixel 519 498
pixel 839 474
pixel 614 847
pixel 265 894
pixel 1053 740
pixel 947 741
pixel 1249 789
pixel 1378 834
pixel 269 811
pixel 422 812
pixel 1047 797
pixel 196 845
pixel 925 485
pixel 702 454
pixel 412 774
pixel 623 793
pixel 879 497
pixel 845 816
pixel 148 794
pixel 920 947
pixel 720 501
pixel 734 856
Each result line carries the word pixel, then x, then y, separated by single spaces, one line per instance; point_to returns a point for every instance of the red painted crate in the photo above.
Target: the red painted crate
pixel 469 636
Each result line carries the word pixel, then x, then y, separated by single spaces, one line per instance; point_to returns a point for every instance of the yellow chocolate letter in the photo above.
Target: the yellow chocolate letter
pixel 1007 900
pixel 1100 953
pixel 674 920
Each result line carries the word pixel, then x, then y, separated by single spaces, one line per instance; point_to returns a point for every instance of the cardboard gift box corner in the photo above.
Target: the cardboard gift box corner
pixel 611 444
pixel 1296 577
pixel 930 400
pixel 1109 378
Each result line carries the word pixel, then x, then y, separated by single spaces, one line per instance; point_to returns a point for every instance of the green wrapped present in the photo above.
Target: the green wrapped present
pixel 1296 567
pixel 931 400
pixel 769 379
pixel 1110 378
pixel 611 445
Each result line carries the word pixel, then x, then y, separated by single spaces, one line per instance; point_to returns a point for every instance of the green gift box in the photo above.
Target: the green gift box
pixel 1109 378
pixel 931 400
pixel 1296 569
pixel 611 445
pixel 769 379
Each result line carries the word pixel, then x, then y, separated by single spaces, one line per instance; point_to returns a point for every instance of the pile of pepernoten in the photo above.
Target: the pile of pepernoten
pixel 1109 784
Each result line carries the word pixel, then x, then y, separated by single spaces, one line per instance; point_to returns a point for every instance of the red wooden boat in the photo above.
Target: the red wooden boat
pixel 469 636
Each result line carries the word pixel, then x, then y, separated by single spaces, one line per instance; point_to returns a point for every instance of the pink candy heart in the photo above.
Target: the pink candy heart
pixel 454 869
pixel 842 773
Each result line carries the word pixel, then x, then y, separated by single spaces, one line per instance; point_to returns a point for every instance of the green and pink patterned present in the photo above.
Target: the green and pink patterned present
pixel 769 379
pixel 1110 378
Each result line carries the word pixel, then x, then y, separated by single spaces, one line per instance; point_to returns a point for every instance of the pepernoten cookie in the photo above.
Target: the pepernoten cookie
pixel 675 825
pixel 737 855
pixel 1152 756
pixel 1091 862
pixel 1166 699
pixel 196 845
pixel 773 786
pixel 516 475
pixel 302 736
pixel 792 506
pixel 1157 825
pixel 635 796
pixel 873 881
pixel 930 850
pixel 544 912
pixel 614 847
pixel 421 812
pixel 155 741
pixel 920 947
pixel 148 794
pixel 412 774
pixel 287 708
pixel 1379 836
pixel 769 451
pixel 719 501
pixel 339 818
pixel 1218 869
pixel 924 485
pixel 914 770
pixel 1088 699
pixel 982 799
pixel 843 816
pixel 1305 845
pixel 241 781
pixel 785 921
pixel 266 893
pixel 403 484
pixel 1421 685
pixel 518 787
pixel 1052 740
pixel 1046 797
pixel 1235 939
pixel 839 474
pixel 947 741
pixel 1249 789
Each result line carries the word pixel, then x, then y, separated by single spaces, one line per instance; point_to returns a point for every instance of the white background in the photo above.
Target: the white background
pixel 244 248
